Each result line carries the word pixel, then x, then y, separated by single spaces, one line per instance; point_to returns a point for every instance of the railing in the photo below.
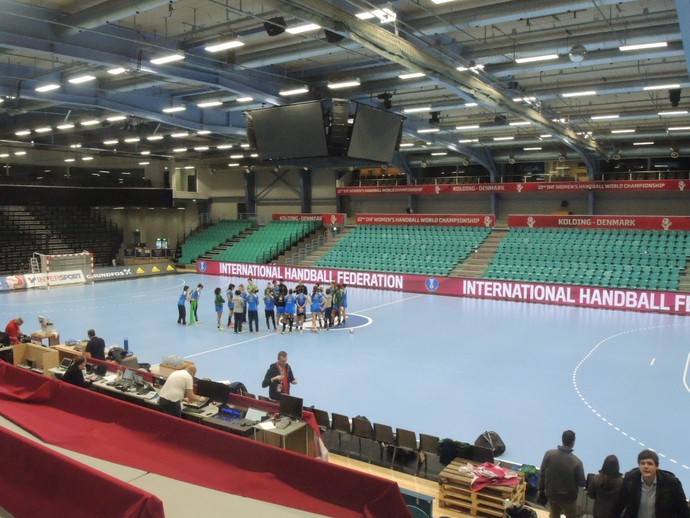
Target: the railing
pixel 528 177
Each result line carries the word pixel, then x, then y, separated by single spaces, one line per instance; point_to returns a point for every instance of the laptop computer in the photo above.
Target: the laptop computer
pixel 65 363
pixel 256 415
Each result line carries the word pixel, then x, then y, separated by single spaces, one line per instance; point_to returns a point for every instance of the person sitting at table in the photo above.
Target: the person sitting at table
pixel 178 386
pixel 75 375
pixel 14 330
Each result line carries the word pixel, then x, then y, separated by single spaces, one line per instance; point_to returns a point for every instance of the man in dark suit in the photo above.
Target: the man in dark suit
pixel 96 348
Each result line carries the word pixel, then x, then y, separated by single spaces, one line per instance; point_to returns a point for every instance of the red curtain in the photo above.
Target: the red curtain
pixel 106 428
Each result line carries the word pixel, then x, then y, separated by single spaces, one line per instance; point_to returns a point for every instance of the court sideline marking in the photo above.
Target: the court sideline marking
pixel 603 418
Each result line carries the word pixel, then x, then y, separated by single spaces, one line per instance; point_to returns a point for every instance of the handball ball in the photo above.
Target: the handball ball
pixel 352 330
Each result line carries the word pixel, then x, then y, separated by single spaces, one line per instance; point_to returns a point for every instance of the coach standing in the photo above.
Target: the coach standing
pixel 560 477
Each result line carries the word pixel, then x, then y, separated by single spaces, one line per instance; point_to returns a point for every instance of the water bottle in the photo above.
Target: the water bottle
pixel 126 345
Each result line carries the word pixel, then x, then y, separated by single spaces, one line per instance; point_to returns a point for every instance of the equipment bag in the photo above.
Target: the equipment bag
pixel 492 441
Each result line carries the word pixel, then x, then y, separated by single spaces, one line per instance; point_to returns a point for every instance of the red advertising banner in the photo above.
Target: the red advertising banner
pixel 327 219
pixel 581 296
pixel 619 222
pixel 447 220
pixel 520 187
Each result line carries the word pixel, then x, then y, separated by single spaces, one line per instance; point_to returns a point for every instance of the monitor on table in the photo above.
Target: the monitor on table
pixel 213 390
pixel 291 406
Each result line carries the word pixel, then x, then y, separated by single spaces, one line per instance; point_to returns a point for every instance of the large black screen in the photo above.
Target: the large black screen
pixel 213 390
pixel 375 134
pixel 292 131
pixel 291 406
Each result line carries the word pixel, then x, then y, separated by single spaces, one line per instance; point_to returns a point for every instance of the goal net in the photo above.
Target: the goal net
pixel 63 269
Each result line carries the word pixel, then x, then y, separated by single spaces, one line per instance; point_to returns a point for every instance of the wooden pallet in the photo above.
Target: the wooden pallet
pixel 455 493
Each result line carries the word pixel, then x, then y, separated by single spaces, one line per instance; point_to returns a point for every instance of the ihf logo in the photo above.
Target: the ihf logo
pixel 431 284
pixel 202 266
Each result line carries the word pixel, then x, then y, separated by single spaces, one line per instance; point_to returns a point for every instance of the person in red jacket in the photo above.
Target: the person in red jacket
pixel 13 330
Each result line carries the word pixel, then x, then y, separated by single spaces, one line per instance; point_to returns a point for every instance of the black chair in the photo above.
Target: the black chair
pixel 383 435
pixel 340 424
pixel 324 424
pixel 429 455
pixel 407 441
pixel 362 430
pixel 264 398
pixel 479 454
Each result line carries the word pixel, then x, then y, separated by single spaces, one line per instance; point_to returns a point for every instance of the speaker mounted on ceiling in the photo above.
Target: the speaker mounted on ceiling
pixel 275 26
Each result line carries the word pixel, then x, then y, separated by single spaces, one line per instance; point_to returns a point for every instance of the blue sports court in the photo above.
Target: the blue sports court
pixel 445 366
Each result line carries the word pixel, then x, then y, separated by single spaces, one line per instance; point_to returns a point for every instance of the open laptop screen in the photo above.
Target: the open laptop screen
pixel 254 414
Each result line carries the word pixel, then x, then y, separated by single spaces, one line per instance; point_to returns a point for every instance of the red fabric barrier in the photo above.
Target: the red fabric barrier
pixel 30 476
pixel 106 428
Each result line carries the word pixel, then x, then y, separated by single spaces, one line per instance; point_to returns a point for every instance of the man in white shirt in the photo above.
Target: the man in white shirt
pixel 178 386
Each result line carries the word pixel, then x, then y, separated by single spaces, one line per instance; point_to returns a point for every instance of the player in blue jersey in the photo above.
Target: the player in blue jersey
pixel 318 302
pixel 269 309
pixel 301 303
pixel 181 308
pixel 290 308
pixel 253 308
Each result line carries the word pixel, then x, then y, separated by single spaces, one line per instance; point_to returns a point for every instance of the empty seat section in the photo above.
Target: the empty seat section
pixel 424 250
pixel 636 259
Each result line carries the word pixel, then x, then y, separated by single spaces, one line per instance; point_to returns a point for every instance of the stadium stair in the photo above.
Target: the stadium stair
pixel 478 262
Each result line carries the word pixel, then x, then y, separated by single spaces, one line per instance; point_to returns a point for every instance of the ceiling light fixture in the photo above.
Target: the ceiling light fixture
pixel 111 142
pixel 520 123
pixel 643 46
pixel 116 118
pixel 647 143
pixel 672 113
pixel 48 88
pixel 469 127
pixel 660 87
pixel 67 125
pixel 580 94
pixel 308 27
pixel 209 104
pixel 167 59
pixel 22 133
pixel 428 130
pixel 81 79
pixel 604 117
pixel 19 153
pixel 533 59
pixel 417 109
pixel 180 134
pixel 347 83
pixel 623 131
pixel 179 150
pixel 532 149
pixel 91 122
pixel 117 71
pixel 201 148
pixel 203 132
pixel 152 138
pixel 132 139
pixel 294 91
pixel 412 75
pixel 173 109
pixel 245 99
pixel 468 140
pixel 43 129
pixel 233 44
pixel 503 138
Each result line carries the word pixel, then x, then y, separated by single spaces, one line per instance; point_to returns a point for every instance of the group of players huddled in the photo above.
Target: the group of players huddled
pixel 327 308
